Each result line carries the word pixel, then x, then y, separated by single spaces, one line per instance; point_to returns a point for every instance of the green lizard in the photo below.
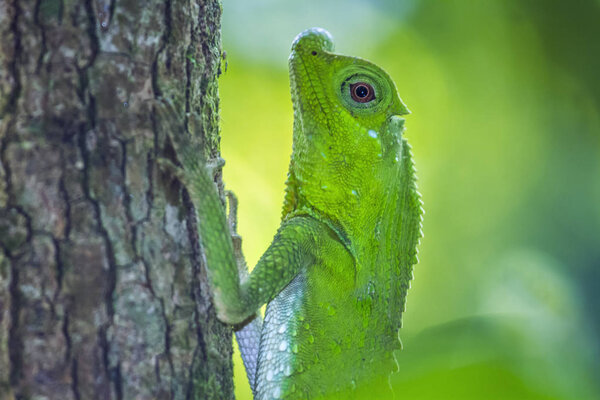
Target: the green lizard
pixel 336 275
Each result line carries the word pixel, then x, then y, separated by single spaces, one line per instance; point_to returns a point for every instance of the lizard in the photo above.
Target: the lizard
pixel 336 275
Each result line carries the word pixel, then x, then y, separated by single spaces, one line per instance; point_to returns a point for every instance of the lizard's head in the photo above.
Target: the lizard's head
pixel 347 124
pixel 349 90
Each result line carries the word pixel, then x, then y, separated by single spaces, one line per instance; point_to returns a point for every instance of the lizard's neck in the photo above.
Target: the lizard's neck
pixel 361 198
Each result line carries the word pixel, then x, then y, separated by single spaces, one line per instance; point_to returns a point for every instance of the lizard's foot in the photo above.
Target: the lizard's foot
pixel 169 166
pixel 189 156
pixel 215 165
pixel 236 239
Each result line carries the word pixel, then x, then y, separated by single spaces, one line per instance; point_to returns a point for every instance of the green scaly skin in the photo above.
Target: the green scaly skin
pixel 336 275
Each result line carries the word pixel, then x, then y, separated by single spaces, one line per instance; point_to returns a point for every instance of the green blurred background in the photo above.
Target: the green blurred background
pixel 505 128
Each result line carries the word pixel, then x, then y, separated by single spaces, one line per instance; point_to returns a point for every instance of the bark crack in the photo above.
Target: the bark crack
pixel 163 44
pixel 190 387
pixel 69 360
pixel 112 373
pixel 150 176
pixel 15 337
pixel 13 65
pixel 167 343
pixel 5 166
pixel 91 30
pixel 191 223
pixel 43 46
pixel 131 223
pixel 60 268
pixel 75 380
pixel 15 342
pixel 62 189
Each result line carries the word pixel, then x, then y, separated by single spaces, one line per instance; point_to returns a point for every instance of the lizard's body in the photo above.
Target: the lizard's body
pixel 336 274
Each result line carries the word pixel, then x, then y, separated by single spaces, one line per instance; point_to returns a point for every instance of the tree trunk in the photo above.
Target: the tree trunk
pixel 103 294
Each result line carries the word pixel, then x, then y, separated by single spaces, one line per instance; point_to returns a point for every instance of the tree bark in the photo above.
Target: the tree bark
pixel 103 294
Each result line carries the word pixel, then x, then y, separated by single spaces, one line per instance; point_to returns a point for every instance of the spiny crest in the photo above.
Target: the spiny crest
pixel 409 223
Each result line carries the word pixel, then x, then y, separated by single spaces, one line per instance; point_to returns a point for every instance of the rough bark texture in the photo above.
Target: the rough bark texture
pixel 103 294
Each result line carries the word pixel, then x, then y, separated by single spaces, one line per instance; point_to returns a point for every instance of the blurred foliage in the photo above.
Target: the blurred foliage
pixel 505 128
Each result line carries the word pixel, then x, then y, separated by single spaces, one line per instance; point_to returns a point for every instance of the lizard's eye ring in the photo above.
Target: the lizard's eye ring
pixel 362 92
pixel 361 89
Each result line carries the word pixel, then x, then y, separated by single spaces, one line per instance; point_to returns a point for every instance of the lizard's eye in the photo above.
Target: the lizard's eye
pixel 362 92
